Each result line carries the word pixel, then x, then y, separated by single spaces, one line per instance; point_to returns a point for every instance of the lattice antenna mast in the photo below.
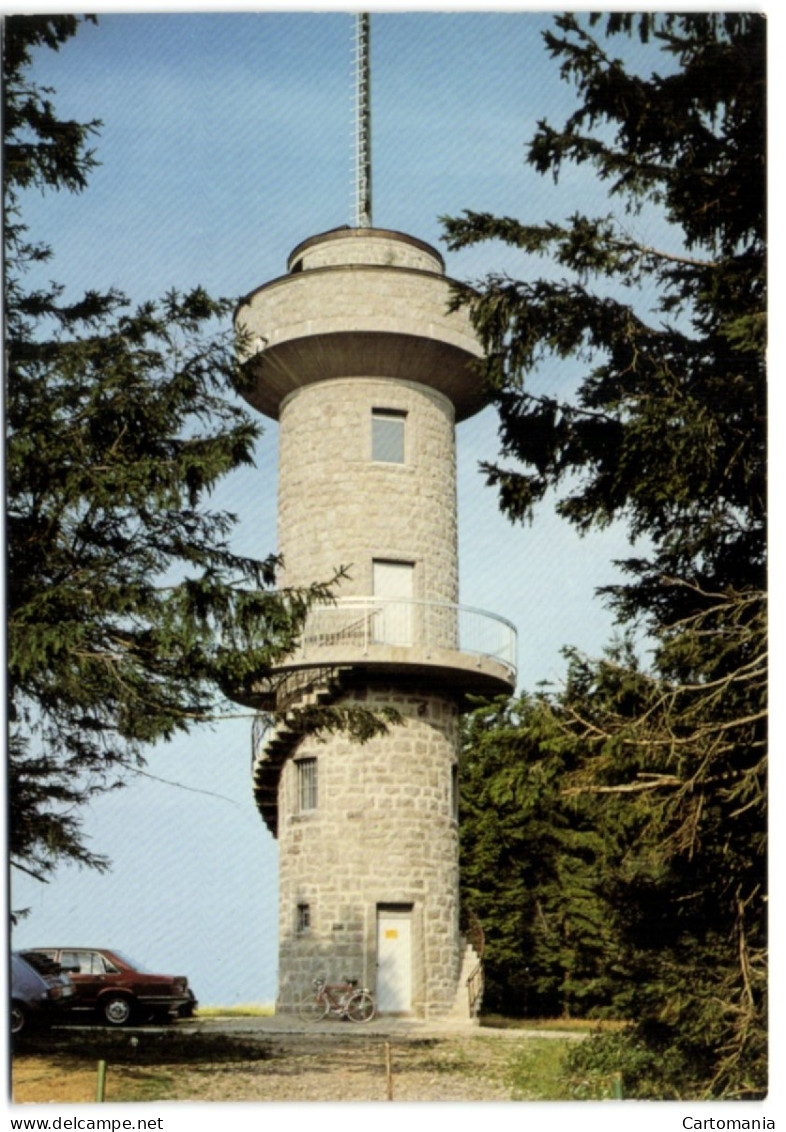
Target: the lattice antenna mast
pixel 362 121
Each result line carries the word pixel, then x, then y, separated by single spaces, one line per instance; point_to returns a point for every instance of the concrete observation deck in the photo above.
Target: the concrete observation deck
pixel 460 649
pixel 358 302
pixel 469 649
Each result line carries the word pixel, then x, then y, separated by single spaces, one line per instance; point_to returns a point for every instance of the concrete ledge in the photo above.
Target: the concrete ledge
pixel 462 672
pixel 358 320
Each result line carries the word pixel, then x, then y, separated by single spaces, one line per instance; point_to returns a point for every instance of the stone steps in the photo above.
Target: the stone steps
pixel 471 967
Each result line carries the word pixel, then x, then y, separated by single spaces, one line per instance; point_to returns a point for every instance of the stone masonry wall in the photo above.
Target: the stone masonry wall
pixel 338 507
pixel 384 831
pixel 378 248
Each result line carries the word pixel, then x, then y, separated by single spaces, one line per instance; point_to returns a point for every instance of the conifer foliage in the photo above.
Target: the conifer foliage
pixel 531 860
pixel 129 615
pixel 665 431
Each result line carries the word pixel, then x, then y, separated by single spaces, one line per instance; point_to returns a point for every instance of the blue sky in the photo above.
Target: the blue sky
pixel 227 139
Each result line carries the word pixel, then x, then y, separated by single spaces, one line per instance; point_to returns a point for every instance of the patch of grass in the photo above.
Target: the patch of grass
pixel 241 1010
pixel 38 1080
pixel 537 1071
pixel 135 1083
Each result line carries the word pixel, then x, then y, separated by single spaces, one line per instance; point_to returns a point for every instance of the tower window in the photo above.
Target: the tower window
pixel 303 918
pixel 454 791
pixel 307 784
pixel 387 435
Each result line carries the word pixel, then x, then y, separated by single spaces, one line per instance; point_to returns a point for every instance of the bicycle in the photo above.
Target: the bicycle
pixel 342 1000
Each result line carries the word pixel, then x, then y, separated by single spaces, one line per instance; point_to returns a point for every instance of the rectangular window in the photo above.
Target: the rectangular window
pixel 387 435
pixel 454 791
pixel 303 921
pixel 307 784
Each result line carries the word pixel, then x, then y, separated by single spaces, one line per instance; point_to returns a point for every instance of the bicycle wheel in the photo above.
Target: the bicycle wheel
pixel 361 1007
pixel 312 1009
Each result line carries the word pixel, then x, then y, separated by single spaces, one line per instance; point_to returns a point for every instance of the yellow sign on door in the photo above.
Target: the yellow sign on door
pixel 391 933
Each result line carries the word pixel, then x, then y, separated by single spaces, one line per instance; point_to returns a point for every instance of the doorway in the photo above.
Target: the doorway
pixel 394 958
pixel 393 581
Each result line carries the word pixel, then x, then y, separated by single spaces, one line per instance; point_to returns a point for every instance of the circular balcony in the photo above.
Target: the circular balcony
pixel 468 650
pixel 358 303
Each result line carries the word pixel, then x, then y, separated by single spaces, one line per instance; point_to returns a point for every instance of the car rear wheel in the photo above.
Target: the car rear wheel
pixel 116 1009
pixel 18 1018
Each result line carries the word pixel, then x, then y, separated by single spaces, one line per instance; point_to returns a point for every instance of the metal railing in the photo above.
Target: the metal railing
pixel 363 622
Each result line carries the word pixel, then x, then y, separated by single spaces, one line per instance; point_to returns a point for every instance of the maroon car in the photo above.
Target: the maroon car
pixel 118 990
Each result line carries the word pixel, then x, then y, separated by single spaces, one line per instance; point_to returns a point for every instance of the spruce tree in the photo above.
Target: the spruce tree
pixel 665 431
pixel 531 860
pixel 130 617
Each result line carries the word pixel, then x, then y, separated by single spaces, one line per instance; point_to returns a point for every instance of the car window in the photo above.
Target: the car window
pixel 69 961
pixel 82 962
pixel 44 964
pixel 99 965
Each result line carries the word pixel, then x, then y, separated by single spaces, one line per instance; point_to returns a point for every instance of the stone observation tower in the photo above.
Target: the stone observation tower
pixel 354 352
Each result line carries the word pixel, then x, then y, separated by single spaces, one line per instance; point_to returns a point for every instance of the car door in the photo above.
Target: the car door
pixel 88 973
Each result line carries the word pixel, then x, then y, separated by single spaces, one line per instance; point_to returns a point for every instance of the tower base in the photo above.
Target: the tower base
pixel 368 837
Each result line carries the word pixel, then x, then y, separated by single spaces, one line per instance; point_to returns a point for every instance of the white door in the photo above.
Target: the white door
pixel 394 960
pixel 394 582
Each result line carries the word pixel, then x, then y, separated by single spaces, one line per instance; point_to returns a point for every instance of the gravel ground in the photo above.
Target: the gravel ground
pixel 331 1069
pixel 323 1063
